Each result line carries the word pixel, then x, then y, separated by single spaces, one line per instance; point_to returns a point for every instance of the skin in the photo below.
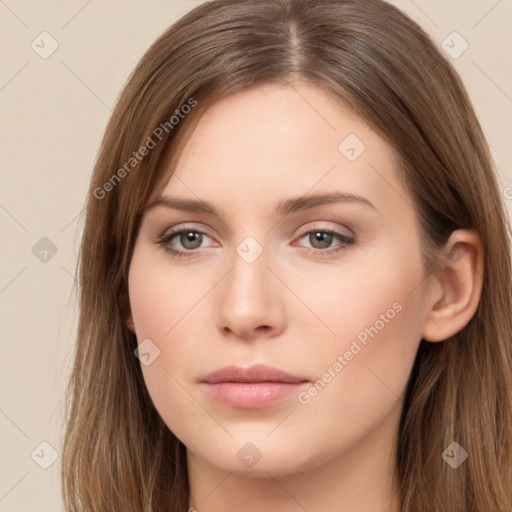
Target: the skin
pixel 290 308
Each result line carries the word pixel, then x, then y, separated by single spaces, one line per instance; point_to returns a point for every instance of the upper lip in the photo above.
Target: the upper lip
pixel 256 373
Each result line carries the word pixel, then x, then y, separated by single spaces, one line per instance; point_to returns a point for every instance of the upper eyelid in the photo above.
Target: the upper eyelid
pixel 202 230
pixel 173 231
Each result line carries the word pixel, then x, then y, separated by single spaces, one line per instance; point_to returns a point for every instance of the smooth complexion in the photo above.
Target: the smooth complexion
pixel 297 307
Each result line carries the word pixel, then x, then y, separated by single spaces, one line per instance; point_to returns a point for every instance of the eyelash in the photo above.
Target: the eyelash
pixel 165 240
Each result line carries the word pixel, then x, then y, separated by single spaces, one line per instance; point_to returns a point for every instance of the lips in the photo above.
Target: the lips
pixel 251 388
pixel 256 373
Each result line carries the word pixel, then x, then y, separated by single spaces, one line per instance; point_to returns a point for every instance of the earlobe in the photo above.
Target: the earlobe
pixel 456 288
pixel 130 324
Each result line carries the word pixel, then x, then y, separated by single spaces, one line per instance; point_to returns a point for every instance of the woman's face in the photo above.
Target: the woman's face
pixel 331 292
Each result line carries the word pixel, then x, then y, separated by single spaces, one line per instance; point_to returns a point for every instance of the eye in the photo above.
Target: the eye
pixel 190 239
pixel 321 241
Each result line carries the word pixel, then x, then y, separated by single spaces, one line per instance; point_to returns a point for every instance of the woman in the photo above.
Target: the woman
pixel 295 276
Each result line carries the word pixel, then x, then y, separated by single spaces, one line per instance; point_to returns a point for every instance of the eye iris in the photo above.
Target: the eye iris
pixel 188 237
pixel 325 239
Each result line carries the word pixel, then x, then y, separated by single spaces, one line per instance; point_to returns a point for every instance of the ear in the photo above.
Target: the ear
pixel 130 323
pixel 455 286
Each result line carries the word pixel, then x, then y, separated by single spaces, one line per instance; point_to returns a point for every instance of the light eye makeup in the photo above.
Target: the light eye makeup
pixel 329 241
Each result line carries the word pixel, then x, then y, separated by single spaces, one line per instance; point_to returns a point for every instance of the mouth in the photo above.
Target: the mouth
pixel 251 388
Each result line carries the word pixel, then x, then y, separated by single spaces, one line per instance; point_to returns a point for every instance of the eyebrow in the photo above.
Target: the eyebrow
pixel 284 207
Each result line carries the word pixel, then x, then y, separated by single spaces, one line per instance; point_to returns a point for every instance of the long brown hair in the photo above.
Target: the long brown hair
pixel 118 454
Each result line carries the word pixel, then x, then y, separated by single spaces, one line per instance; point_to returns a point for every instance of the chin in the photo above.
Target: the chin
pixel 260 458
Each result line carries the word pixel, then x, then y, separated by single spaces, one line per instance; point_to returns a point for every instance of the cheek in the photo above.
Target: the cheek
pixel 377 316
pixel 156 314
pixel 161 297
pixel 163 302
pixel 374 292
pixel 361 376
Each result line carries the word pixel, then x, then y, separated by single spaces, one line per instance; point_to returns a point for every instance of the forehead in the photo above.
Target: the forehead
pixel 259 145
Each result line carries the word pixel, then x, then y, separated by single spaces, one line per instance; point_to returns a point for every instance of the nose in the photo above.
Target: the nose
pixel 250 300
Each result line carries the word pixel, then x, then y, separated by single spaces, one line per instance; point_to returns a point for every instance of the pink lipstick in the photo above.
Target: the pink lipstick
pixel 251 388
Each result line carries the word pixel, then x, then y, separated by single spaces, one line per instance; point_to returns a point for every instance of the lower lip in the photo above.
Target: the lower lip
pixel 252 395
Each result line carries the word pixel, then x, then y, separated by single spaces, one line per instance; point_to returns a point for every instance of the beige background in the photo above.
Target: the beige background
pixel 54 111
